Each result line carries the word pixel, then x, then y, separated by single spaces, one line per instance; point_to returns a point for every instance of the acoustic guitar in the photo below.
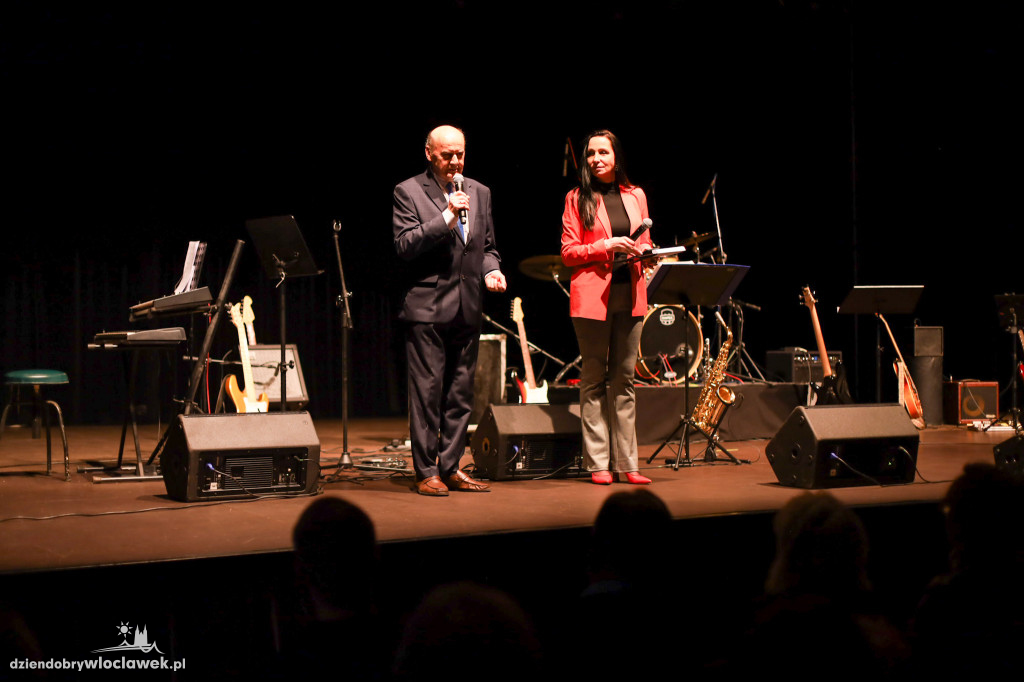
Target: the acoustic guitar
pixel 908 391
pixel 244 397
pixel 833 389
pixel 530 392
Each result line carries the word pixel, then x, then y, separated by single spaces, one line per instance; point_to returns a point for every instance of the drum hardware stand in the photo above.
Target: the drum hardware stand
pixel 1010 308
pixel 546 268
pixel 529 343
pixel 740 351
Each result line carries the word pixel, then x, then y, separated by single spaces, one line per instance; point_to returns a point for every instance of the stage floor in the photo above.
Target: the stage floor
pixel 47 523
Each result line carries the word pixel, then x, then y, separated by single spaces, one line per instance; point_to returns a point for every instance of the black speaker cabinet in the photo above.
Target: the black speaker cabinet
pixel 235 456
pixel 833 446
pixel 1010 455
pixel 527 441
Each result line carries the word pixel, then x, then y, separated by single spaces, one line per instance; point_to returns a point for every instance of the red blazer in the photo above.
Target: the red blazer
pixel 583 250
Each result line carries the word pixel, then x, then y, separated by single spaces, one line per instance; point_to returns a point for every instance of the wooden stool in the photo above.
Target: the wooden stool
pixel 36 379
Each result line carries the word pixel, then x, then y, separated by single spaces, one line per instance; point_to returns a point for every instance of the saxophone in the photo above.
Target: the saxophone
pixel 715 398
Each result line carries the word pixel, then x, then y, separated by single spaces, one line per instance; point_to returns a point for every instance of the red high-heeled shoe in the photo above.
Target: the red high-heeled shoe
pixel 601 477
pixel 635 477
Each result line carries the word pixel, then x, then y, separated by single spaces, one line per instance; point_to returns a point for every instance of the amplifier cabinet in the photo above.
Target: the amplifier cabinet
pixel 797 365
pixel 965 402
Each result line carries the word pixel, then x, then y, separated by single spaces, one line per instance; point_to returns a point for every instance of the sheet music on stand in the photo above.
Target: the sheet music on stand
pixel 193 267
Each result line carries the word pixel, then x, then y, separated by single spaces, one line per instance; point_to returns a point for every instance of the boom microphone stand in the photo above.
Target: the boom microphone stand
pixel 345 461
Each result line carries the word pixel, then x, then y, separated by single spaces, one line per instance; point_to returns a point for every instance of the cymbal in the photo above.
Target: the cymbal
pixel 696 239
pixel 545 268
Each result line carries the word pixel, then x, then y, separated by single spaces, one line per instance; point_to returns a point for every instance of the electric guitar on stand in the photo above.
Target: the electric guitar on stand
pixel 530 391
pixel 833 389
pixel 1020 365
pixel 908 391
pixel 243 398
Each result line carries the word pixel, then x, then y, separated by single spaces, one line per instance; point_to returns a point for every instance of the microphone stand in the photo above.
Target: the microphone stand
pixel 345 461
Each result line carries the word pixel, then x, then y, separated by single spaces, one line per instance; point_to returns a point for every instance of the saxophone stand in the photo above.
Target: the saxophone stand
pixel 695 284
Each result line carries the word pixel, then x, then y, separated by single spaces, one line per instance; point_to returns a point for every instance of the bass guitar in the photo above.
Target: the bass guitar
pixel 833 389
pixel 530 392
pixel 908 391
pixel 244 397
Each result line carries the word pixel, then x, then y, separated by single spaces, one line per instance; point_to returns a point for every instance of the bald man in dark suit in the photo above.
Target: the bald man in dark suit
pixel 448 265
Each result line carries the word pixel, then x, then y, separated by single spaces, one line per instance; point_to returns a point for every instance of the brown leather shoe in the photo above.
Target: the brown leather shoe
pixel 432 486
pixel 460 480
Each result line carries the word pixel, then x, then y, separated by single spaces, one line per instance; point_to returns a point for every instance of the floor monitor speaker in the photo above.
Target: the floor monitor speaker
pixel 845 445
pixel 528 441
pixel 1010 455
pixel 235 456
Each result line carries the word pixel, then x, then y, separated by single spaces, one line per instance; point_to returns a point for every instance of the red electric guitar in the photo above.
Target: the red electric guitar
pixel 908 391
pixel 833 389
pixel 530 391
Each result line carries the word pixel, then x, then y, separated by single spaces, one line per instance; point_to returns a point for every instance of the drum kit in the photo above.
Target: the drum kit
pixel 671 342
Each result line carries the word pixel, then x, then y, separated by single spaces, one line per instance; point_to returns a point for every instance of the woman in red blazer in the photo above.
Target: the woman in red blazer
pixel 607 301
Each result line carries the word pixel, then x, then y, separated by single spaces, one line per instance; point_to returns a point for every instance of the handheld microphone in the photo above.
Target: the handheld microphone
pixel 463 213
pixel 646 225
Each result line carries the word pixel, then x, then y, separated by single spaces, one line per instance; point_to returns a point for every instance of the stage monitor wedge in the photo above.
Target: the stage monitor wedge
pixel 238 456
pixel 834 446
pixel 528 441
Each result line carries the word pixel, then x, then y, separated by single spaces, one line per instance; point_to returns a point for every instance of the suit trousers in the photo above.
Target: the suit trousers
pixel 607 395
pixel 442 363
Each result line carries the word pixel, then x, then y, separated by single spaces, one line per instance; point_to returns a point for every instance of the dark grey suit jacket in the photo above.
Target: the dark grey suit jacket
pixel 442 272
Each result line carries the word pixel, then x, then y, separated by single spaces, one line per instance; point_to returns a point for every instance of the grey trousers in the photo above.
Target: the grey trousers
pixel 607 396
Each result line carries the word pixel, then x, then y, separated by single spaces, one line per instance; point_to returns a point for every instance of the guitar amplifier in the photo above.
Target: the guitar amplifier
pixel 798 365
pixel 965 402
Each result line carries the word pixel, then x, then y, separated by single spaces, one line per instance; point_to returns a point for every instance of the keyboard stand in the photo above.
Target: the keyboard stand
pixel 119 471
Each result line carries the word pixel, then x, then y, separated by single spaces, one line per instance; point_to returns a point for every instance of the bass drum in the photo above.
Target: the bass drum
pixel 671 345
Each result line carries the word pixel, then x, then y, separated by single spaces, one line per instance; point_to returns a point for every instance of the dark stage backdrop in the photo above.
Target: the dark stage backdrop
pixel 854 143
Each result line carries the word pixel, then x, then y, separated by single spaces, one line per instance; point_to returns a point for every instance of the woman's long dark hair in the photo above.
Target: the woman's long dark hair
pixel 587 200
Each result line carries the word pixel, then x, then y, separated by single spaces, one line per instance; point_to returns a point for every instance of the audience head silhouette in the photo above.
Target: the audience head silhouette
pixel 630 531
pixel 984 508
pixel 335 547
pixel 821 548
pixel 464 631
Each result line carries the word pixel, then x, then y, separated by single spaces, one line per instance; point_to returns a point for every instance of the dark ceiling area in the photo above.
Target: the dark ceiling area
pixel 853 143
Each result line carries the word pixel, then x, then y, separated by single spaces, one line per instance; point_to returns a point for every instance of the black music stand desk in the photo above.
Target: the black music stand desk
pixel 696 284
pixel 875 300
pixel 284 254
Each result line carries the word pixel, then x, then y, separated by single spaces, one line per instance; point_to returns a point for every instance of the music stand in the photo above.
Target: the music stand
pixel 695 284
pixel 284 254
pixel 872 300
pixel 1010 312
